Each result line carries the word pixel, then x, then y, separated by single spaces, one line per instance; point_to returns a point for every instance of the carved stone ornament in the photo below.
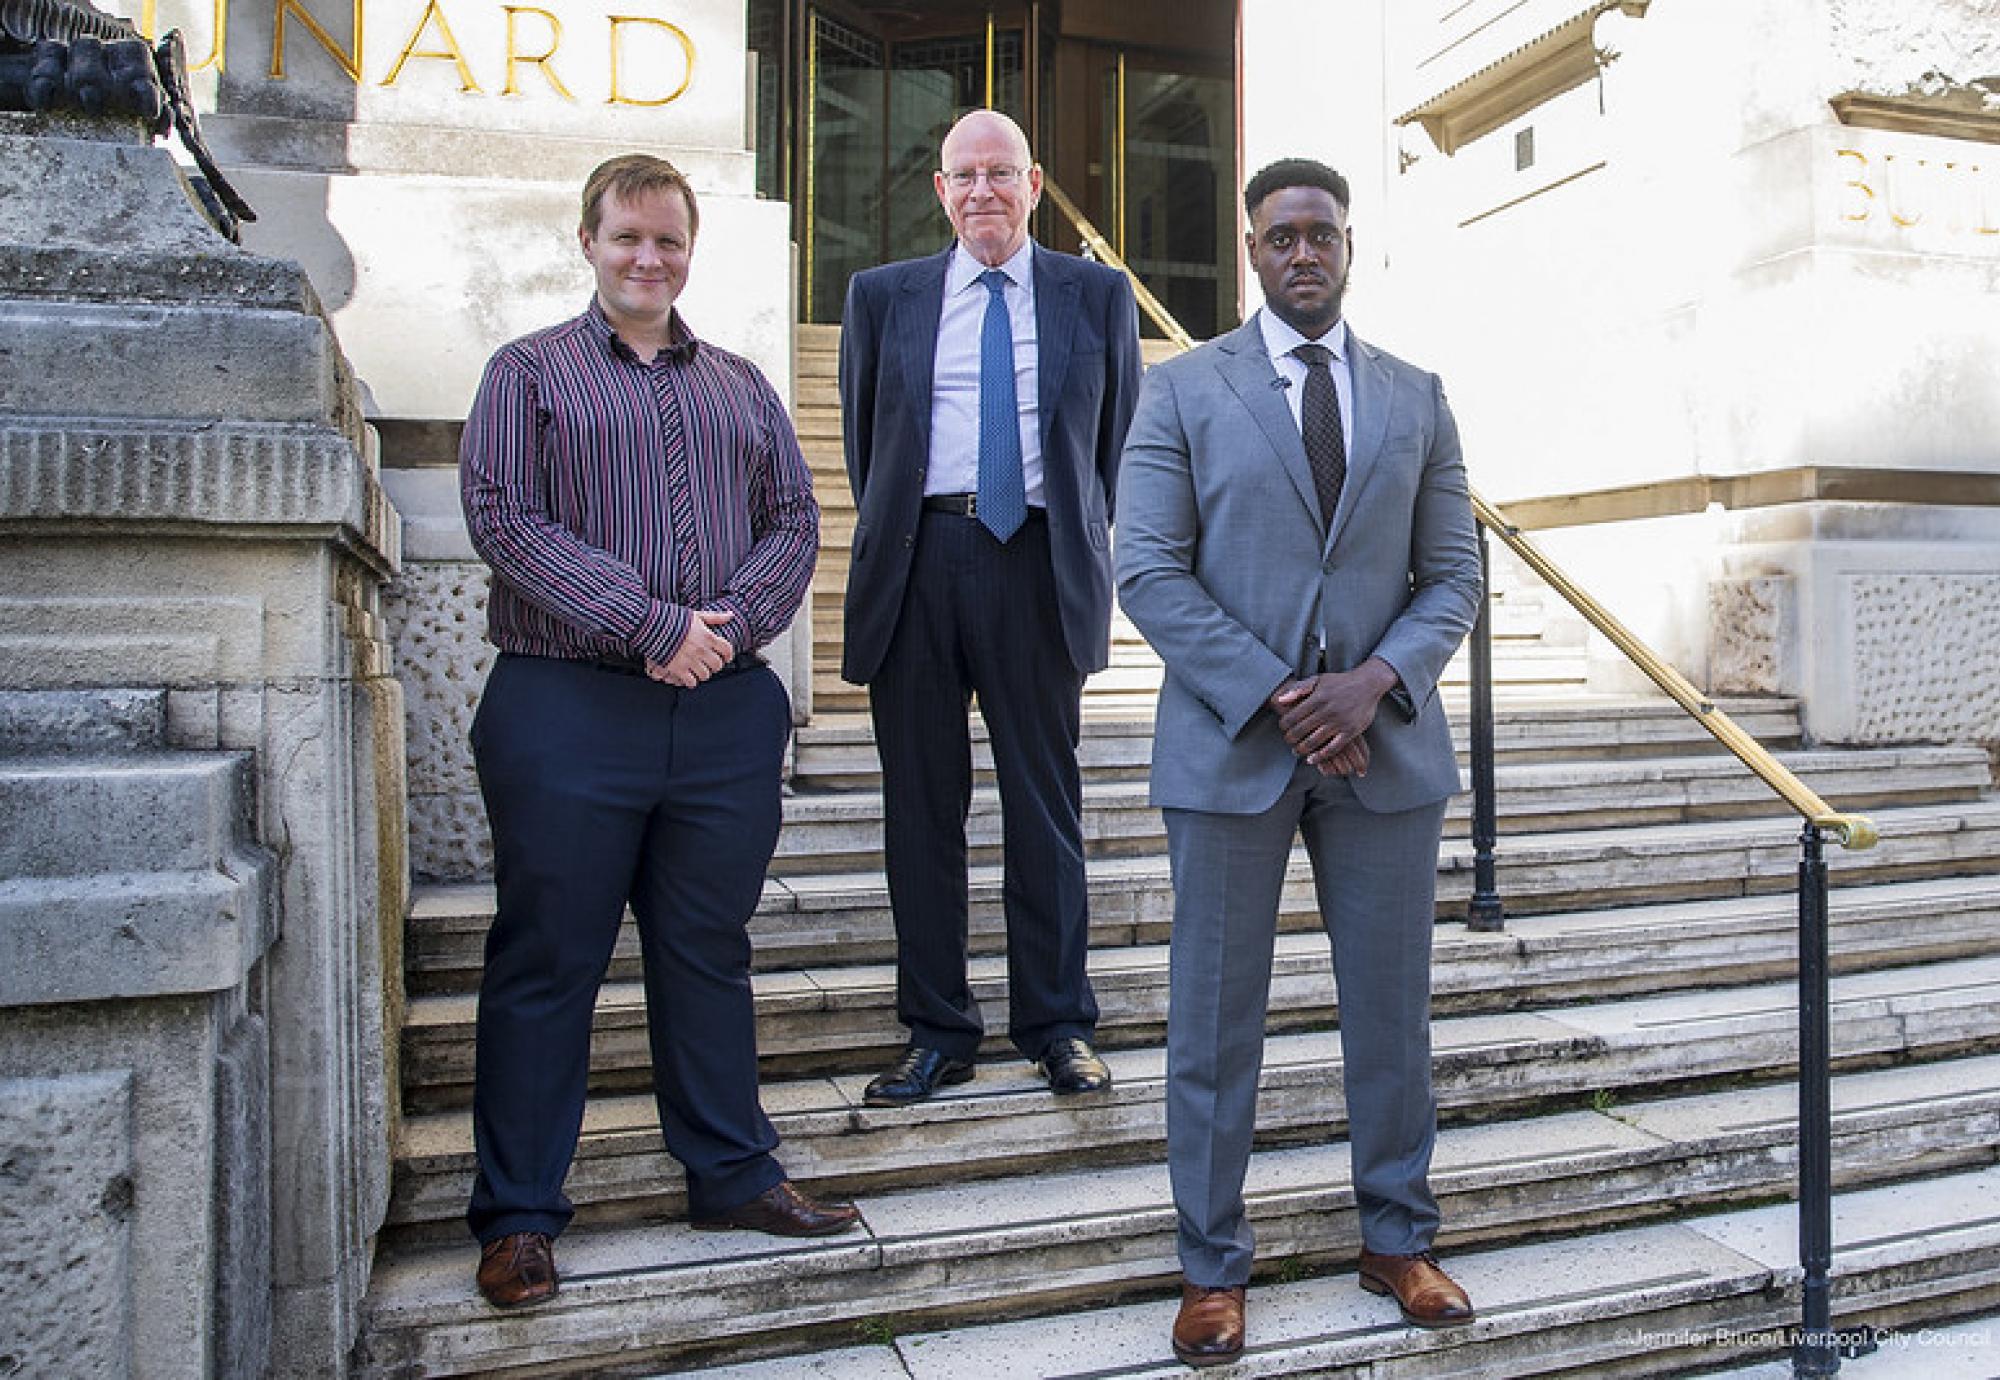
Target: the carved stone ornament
pixel 66 55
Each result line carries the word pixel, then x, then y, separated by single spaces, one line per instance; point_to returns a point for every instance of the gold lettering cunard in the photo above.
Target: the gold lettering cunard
pixel 619 24
pixel 350 63
pixel 149 25
pixel 651 61
pixel 433 11
pixel 544 60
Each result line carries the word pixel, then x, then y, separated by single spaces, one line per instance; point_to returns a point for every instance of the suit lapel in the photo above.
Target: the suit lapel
pixel 1246 368
pixel 913 323
pixel 1057 292
pixel 1374 399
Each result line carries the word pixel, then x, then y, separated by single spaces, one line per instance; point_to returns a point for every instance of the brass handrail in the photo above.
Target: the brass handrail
pixel 1101 247
pixel 1852 831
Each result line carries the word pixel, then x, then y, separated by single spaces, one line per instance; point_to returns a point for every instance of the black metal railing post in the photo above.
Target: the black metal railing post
pixel 1815 1353
pixel 1484 912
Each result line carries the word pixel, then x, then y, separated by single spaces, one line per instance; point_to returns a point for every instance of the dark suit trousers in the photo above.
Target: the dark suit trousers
pixel 605 788
pixel 979 619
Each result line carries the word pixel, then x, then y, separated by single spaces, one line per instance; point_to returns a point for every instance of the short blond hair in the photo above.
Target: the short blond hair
pixel 629 177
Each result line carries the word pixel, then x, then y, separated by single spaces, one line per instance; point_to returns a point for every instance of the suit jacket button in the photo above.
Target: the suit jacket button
pixel 909 541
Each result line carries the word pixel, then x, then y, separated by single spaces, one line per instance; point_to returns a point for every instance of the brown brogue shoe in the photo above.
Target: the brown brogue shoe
pixel 1209 1329
pixel 518 1271
pixel 1420 1286
pixel 782 1210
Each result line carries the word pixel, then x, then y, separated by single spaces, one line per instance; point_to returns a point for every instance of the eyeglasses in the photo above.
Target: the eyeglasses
pixel 999 179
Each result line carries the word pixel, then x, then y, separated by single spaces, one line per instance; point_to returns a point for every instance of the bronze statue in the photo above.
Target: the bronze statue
pixel 69 55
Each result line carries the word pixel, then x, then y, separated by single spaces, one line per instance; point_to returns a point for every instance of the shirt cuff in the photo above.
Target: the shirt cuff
pixel 660 632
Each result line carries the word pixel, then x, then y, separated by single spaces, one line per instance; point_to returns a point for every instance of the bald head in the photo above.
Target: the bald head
pixel 987 128
pixel 988 183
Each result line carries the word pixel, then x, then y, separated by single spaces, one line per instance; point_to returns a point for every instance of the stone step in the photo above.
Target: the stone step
pixel 842 918
pixel 1004 1122
pixel 839 1019
pixel 945 1256
pixel 826 831
pixel 838 751
pixel 1968 1349
pixel 1661 1299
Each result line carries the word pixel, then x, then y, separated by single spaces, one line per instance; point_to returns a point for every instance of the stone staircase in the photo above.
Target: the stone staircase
pixel 1612 1074
pixel 1616 1056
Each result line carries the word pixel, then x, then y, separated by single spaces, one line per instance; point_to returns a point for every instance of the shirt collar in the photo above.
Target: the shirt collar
pixel 682 341
pixel 964 270
pixel 1280 339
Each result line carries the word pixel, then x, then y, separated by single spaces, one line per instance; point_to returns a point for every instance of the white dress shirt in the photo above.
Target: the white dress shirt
pixel 954 457
pixel 1280 339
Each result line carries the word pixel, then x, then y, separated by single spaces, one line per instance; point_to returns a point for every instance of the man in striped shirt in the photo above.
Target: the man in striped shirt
pixel 650 522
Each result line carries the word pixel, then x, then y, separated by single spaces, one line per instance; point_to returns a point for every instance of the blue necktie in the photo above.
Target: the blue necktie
pixel 1003 493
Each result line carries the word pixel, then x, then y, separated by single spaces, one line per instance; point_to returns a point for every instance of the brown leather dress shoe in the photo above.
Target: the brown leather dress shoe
pixel 1209 1328
pixel 518 1271
pixel 782 1210
pixel 1072 1066
pixel 1419 1284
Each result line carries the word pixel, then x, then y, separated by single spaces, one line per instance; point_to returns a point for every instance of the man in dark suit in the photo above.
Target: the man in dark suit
pixel 1298 545
pixel 985 393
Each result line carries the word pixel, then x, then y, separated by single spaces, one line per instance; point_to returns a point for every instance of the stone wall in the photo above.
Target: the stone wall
pixel 203 822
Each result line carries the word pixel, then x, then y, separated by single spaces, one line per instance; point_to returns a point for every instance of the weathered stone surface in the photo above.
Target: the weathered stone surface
pixel 81 721
pixel 169 1046
pixel 242 1329
pixel 128 877
pixel 151 360
pixel 66 1203
pixel 1951 693
pixel 437 610
pixel 90 182
pixel 1751 630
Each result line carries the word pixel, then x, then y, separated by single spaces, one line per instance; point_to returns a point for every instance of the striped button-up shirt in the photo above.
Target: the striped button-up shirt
pixel 613 498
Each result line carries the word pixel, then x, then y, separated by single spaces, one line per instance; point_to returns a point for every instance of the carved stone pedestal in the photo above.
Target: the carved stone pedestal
pixel 199 936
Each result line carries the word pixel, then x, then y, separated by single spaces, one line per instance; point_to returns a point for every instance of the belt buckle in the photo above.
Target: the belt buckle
pixel 972 505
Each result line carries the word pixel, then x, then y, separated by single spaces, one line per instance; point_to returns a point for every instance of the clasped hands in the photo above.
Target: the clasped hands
pixel 1324 717
pixel 702 652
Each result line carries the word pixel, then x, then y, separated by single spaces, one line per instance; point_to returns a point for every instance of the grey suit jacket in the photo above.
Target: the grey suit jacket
pixel 1226 566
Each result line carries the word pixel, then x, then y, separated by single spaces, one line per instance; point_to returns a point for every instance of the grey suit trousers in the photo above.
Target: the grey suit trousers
pixel 1376 881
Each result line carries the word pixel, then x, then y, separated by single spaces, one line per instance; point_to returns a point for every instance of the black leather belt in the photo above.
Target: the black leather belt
pixel 632 666
pixel 966 505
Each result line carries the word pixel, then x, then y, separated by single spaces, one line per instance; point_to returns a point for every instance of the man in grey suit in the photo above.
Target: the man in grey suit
pixel 1296 540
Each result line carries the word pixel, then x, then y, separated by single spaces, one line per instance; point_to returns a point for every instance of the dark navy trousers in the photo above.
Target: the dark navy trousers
pixel 979 619
pixel 605 788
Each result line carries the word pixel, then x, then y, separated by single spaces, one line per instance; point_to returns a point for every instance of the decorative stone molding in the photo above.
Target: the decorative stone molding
pixel 1922 69
pixel 1555 61
pixel 274 475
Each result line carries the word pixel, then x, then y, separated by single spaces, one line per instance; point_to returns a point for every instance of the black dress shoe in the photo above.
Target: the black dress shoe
pixel 782 1210
pixel 1072 1066
pixel 918 1074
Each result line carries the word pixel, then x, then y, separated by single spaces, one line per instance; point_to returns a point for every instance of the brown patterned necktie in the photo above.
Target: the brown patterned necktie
pixel 1319 425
